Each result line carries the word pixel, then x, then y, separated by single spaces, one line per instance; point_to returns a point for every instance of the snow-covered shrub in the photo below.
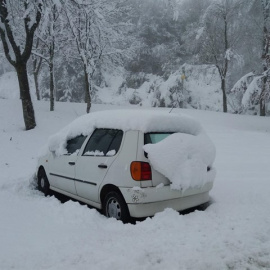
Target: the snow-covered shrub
pixel 135 98
pixel 135 81
pixel 156 99
pixel 195 86
pixel 122 88
pixel 178 95
pixel 237 92
pixel 257 90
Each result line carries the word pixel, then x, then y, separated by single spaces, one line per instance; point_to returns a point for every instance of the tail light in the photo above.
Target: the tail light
pixel 140 171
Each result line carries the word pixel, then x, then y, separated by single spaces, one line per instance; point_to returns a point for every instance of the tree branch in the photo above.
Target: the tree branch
pixel 5 21
pixel 6 48
pixel 41 56
pixel 30 34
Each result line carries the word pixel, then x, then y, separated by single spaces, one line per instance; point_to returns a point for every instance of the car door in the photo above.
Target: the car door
pixel 62 168
pixel 91 167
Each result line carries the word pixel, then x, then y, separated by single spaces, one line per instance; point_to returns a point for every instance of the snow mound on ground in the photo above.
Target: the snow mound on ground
pixel 183 159
pixel 144 120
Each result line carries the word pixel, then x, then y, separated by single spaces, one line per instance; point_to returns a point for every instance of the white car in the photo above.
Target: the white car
pixel 101 160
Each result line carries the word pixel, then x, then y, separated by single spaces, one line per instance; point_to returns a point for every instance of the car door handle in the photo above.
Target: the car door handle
pixel 102 166
pixel 71 163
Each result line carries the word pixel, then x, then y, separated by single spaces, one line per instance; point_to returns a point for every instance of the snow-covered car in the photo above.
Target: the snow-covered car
pixel 130 163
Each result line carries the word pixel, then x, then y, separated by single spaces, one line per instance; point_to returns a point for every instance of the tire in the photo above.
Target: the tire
pixel 43 183
pixel 114 206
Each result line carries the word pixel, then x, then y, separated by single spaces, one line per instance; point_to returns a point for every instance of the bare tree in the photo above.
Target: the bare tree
pixel 265 56
pixel 258 91
pixel 94 34
pixel 218 39
pixel 17 56
pixel 36 62
pixel 46 46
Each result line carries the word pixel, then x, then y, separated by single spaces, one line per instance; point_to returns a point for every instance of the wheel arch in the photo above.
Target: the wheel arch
pixel 41 169
pixel 107 188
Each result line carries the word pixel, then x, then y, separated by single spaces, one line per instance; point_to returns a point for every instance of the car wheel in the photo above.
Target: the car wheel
pixel 43 183
pixel 114 206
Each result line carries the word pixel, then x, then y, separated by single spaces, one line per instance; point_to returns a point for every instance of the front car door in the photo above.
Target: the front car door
pixel 97 157
pixel 62 168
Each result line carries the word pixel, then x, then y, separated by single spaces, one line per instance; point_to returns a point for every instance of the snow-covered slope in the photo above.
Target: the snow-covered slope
pixel 38 232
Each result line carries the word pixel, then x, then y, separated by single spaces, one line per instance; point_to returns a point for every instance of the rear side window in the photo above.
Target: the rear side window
pixel 104 142
pixel 155 137
pixel 75 144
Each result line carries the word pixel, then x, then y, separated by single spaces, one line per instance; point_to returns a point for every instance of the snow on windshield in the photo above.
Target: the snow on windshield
pixel 183 159
pixel 144 120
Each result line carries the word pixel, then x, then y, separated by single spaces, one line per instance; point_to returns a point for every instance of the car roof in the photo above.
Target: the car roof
pixel 136 119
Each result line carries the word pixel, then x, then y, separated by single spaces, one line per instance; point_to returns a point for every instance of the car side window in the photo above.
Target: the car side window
pixel 104 142
pixel 75 144
pixel 115 144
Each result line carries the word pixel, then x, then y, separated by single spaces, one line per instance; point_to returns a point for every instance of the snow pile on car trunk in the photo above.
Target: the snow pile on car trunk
pixel 144 120
pixel 186 160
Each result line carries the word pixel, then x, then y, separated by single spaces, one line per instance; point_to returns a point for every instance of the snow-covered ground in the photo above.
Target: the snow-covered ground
pixel 38 232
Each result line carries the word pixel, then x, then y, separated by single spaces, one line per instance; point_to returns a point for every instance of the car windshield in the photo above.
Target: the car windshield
pixel 155 137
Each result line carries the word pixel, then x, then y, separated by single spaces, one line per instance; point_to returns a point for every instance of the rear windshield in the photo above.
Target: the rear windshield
pixel 155 137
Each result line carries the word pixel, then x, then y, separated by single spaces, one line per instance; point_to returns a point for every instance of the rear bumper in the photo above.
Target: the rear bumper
pixel 145 202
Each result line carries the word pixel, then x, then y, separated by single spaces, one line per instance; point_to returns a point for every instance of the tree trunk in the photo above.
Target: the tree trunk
pixel 262 98
pixel 51 67
pixel 28 110
pixel 36 68
pixel 20 60
pixel 223 88
pixel 265 54
pixel 36 85
pixel 51 88
pixel 262 108
pixel 87 91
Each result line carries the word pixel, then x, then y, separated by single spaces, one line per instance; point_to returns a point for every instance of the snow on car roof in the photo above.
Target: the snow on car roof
pixel 143 120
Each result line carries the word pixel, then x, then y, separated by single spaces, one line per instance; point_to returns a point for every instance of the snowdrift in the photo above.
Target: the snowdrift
pixel 184 159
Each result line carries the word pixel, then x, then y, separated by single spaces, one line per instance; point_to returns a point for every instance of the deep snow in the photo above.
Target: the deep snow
pixel 185 159
pixel 38 232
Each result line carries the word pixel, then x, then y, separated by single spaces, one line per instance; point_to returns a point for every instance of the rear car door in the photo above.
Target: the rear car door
pixel 91 167
pixel 62 168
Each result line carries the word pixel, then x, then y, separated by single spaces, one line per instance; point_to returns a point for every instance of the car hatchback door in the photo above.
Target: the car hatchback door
pixel 97 157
